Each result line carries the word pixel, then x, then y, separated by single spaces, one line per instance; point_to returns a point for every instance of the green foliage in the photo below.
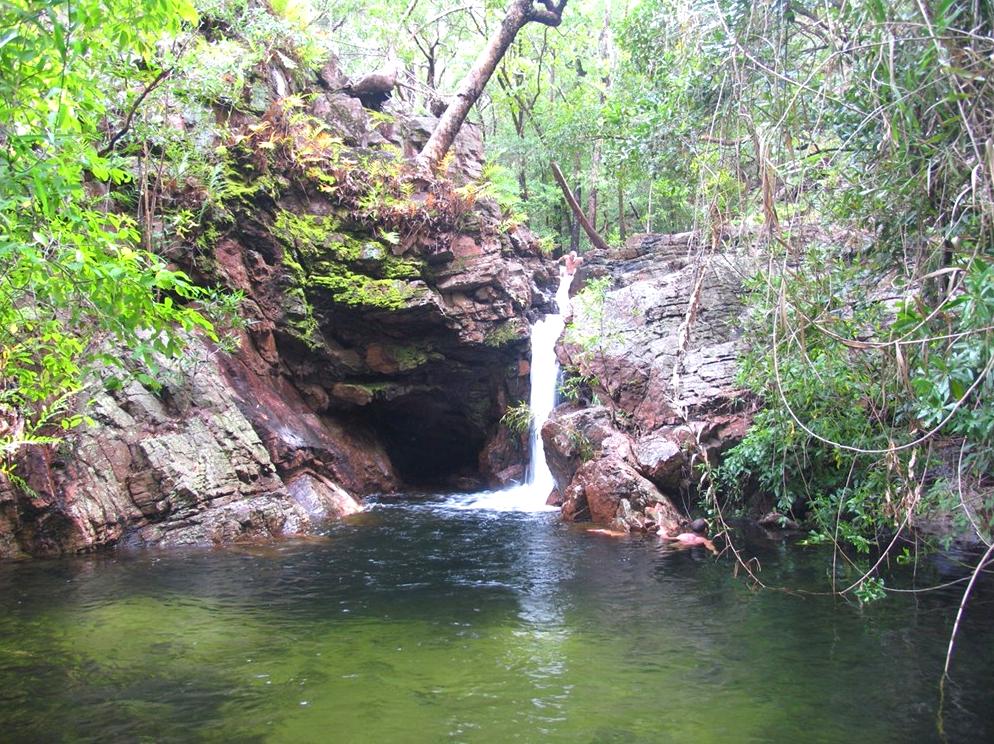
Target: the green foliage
pixel 498 183
pixel 244 34
pixel 74 279
pixel 581 445
pixel 576 386
pixel 844 435
pixel 818 379
pixel 590 329
pixel 870 589
pixel 841 137
pixel 518 418
pixel 313 235
pixel 350 288
pixel 950 375
pixel 352 271
pixel 502 335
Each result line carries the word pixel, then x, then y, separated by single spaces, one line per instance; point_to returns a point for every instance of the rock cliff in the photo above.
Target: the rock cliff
pixel 385 331
pixel 653 342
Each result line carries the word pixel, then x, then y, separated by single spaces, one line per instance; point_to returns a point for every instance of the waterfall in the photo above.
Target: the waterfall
pixel 532 494
pixel 543 376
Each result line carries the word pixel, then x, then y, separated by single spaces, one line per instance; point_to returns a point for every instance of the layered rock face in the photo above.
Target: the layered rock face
pixel 386 331
pixel 184 466
pixel 657 342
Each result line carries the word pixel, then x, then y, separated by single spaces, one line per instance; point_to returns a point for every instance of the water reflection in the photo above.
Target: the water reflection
pixel 424 623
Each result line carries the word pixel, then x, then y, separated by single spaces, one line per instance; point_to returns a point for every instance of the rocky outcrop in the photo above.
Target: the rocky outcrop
pixel 592 464
pixel 385 333
pixel 184 466
pixel 657 341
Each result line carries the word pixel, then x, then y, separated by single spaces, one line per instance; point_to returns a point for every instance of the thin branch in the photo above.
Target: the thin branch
pixel 962 606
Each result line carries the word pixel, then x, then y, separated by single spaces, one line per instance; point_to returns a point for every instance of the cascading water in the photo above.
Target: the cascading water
pixel 532 494
pixel 544 372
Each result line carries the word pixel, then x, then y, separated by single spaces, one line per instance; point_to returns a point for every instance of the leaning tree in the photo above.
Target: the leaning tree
pixel 520 13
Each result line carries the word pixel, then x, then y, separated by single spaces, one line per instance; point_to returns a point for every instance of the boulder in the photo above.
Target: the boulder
pixel 503 460
pixel 774 520
pixel 345 116
pixel 320 499
pixel 375 89
pixel 612 492
pixel 661 456
pixel 331 77
pixel 571 437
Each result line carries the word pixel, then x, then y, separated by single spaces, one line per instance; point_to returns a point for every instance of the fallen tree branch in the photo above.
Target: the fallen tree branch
pixel 594 236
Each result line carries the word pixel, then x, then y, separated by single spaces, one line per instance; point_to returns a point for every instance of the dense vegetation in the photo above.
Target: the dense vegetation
pixel 848 142
pixel 81 285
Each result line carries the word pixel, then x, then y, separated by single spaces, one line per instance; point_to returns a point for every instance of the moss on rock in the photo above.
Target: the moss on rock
pixel 354 270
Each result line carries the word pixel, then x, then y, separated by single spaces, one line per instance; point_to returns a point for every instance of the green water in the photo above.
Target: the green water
pixel 423 623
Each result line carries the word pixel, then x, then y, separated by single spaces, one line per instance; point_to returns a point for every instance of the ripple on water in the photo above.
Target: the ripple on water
pixel 423 623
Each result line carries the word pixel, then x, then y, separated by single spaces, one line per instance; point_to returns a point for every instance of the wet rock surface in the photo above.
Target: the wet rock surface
pixel 378 354
pixel 659 349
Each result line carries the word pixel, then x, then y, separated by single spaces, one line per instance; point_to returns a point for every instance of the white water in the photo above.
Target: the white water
pixel 532 494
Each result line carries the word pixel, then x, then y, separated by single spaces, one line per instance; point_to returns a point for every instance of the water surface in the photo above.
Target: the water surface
pixel 425 623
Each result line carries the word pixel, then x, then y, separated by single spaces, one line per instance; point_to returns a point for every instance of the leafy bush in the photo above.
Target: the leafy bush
pixel 518 418
pixel 845 434
pixel 501 335
pixel 76 278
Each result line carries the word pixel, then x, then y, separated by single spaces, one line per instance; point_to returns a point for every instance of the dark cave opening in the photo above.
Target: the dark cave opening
pixel 432 441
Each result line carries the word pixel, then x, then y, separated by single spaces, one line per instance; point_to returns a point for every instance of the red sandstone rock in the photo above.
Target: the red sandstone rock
pixel 463 246
pixel 357 397
pixel 611 488
pixel 600 467
pixel 501 461
pixel 379 360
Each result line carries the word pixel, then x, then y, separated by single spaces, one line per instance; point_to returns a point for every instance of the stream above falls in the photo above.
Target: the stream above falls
pixel 421 622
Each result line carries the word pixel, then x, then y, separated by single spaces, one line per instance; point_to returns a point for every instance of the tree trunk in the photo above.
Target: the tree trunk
pixel 621 209
pixel 595 239
pixel 548 12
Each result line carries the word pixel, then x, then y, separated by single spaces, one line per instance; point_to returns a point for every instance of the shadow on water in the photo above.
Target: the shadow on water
pixel 422 622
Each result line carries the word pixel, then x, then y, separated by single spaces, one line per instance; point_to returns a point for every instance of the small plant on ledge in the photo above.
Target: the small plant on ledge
pixel 518 418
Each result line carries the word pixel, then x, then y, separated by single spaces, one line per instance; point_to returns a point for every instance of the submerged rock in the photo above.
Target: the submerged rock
pixel 776 520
